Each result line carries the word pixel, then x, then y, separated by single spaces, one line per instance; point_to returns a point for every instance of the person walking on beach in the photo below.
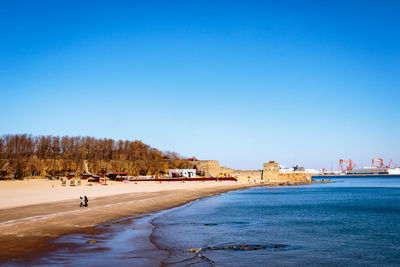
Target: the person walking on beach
pixel 81 205
pixel 86 201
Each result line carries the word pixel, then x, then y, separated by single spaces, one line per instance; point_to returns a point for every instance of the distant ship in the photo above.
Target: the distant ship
pixel 372 170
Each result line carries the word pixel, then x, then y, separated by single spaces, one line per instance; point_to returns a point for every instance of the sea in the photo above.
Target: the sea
pixel 354 221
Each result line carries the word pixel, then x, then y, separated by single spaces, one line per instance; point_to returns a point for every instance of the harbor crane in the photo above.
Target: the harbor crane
pixel 377 160
pixel 349 167
pixel 381 164
pixel 390 163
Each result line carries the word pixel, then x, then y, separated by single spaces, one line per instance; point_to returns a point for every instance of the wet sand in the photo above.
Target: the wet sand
pixel 121 242
pixel 27 225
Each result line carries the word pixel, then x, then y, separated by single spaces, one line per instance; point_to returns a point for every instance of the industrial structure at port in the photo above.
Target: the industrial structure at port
pixel 378 167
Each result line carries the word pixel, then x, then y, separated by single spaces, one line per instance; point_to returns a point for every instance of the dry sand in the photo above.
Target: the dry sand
pixel 35 212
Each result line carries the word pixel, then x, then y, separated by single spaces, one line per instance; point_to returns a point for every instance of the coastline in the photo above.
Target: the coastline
pixel 26 231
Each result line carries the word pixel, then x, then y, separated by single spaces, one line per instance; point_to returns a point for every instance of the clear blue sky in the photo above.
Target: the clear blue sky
pixel 243 82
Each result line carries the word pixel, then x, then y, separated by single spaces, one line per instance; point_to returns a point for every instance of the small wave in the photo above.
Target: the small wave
pixel 241 247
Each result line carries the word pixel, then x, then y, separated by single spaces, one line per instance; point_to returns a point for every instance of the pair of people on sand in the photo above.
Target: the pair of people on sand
pixel 84 201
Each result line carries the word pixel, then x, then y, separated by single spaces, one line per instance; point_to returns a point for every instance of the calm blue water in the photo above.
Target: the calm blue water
pixel 355 221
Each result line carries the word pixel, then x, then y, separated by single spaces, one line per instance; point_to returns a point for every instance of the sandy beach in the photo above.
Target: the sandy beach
pixel 32 213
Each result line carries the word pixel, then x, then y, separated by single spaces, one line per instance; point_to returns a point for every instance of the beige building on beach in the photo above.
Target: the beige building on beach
pixel 269 173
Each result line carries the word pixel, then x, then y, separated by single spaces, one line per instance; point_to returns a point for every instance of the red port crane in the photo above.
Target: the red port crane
pixel 324 171
pixel 380 163
pixel 390 163
pixel 349 167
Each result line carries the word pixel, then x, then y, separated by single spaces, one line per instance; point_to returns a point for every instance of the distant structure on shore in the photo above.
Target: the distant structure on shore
pixel 378 167
pixel 185 173
pixel 269 173
pixel 374 171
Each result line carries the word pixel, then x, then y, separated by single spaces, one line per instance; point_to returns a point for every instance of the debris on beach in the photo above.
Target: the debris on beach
pixel 92 241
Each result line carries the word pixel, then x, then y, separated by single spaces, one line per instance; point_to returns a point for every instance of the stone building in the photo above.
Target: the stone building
pixel 271 174
pixel 209 167
pixel 270 171
pixel 241 174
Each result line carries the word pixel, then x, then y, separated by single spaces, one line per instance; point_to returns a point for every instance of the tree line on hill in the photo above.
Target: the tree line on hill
pixel 23 155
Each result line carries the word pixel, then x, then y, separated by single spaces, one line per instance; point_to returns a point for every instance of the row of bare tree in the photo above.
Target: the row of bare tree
pixel 26 155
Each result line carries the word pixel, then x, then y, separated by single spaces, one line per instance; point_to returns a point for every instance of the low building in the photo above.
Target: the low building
pixel 374 171
pixel 94 178
pixel 188 173
pixel 210 168
pixel 116 176
pixel 86 176
pixel 298 168
pixel 71 175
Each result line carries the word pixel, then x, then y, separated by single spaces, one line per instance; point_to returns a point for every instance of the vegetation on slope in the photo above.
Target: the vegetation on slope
pixel 23 155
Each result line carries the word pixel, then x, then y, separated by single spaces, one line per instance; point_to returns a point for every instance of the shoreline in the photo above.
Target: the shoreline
pixel 138 236
pixel 27 231
pixel 153 240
